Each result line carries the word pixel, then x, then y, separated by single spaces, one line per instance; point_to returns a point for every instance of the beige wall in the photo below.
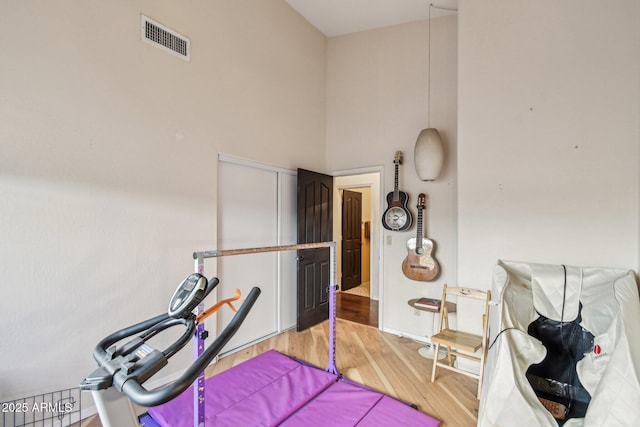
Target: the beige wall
pixel 108 157
pixel 549 134
pixel 377 103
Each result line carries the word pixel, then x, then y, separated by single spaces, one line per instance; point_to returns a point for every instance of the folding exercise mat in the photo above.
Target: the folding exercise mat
pixel 273 389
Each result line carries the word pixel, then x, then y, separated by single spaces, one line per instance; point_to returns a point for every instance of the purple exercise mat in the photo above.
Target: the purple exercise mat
pixel 348 405
pixel 273 389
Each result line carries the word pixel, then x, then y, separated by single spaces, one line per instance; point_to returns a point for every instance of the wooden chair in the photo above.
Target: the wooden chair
pixel 455 340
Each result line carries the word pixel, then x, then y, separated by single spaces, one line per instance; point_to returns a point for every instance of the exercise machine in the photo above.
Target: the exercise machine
pixel 123 369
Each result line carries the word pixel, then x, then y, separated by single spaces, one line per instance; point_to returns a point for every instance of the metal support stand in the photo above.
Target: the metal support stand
pixel 198 349
pixel 198 394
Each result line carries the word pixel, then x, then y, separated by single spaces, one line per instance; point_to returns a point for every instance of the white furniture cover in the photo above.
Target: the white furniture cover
pixel 610 311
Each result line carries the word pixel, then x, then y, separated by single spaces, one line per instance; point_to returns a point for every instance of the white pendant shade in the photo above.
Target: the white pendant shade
pixel 428 154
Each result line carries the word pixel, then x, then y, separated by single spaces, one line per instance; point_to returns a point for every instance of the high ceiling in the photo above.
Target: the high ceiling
pixel 338 17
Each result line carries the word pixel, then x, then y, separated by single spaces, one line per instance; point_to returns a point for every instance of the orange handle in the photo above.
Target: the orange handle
pixel 209 311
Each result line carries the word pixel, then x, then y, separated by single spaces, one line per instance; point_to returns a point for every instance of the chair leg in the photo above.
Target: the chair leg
pixel 449 356
pixel 435 362
pixel 481 376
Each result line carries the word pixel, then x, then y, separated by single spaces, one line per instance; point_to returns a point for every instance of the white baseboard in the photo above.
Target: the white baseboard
pixel 419 338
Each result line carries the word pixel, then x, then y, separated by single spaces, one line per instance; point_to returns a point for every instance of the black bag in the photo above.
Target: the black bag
pixel 555 380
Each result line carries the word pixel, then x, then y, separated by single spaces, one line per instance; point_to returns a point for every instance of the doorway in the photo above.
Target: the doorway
pixel 358 298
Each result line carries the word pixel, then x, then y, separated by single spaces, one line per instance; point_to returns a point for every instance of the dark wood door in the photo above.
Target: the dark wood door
pixel 315 225
pixel 351 239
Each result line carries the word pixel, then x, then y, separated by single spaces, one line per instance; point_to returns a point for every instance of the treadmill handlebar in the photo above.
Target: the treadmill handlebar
pixel 103 350
pixel 130 383
pixel 143 397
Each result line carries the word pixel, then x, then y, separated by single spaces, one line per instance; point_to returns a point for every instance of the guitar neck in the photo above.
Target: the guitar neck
pixel 396 192
pixel 419 230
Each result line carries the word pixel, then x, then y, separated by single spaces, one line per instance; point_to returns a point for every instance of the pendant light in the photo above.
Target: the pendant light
pixel 428 154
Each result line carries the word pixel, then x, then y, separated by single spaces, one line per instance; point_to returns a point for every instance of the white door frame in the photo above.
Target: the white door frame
pixel 371 177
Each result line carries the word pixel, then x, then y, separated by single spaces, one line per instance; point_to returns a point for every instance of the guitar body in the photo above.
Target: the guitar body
pixel 401 202
pixel 419 264
pixel 397 216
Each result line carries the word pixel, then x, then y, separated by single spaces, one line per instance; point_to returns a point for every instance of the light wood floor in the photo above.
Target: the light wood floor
pixel 381 361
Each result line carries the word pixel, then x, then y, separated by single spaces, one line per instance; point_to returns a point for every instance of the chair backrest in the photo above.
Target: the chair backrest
pixel 465 293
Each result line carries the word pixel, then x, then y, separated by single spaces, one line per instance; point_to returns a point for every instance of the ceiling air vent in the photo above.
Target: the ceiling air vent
pixel 165 38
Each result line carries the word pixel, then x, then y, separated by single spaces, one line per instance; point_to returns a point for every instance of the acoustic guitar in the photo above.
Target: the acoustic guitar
pixel 420 264
pixel 397 216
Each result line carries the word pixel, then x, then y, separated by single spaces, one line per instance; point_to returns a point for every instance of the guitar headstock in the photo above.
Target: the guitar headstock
pixel 422 201
pixel 397 160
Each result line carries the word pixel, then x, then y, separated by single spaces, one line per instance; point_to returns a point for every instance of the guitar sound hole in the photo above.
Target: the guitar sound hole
pixel 419 251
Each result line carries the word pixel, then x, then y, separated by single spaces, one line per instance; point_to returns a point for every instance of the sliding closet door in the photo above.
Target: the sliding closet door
pixel 256 208
pixel 288 261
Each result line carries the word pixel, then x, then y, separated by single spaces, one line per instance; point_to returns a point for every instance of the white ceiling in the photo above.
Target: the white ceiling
pixel 338 17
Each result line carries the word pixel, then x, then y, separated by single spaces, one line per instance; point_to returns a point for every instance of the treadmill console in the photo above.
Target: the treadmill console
pixel 188 295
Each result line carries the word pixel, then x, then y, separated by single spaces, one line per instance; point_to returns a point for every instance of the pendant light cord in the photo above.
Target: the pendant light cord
pixel 429 69
pixel 429 62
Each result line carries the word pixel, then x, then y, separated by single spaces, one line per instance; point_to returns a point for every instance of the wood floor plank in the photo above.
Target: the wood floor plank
pixel 357 308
